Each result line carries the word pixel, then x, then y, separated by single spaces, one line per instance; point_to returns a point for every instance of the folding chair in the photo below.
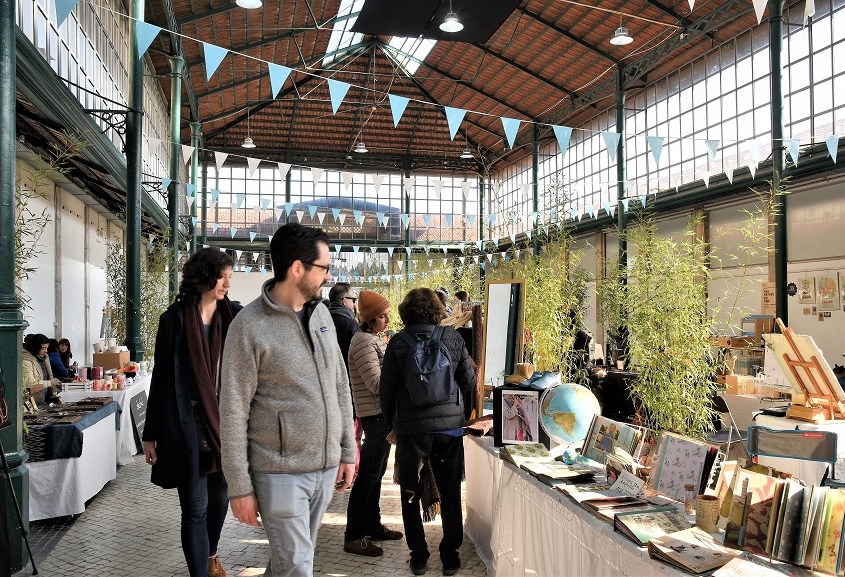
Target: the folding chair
pixel 819 446
pixel 734 433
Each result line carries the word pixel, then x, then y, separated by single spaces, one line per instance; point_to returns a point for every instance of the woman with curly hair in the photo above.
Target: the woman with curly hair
pixel 430 434
pixel 182 431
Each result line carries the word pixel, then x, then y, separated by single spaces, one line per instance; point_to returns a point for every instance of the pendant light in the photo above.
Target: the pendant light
pixel 361 148
pixel 248 143
pixel 620 36
pixel 451 23
pixel 467 152
pixel 248 4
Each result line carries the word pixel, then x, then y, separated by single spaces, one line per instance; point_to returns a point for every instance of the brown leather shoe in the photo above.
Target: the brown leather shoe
pixel 384 533
pixel 215 569
pixel 363 547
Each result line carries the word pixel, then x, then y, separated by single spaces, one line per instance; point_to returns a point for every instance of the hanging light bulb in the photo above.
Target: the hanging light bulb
pixel 620 36
pixel 360 148
pixel 467 153
pixel 451 23
pixel 248 143
pixel 248 4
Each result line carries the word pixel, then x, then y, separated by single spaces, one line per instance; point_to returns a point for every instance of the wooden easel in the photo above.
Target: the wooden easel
pixel 804 365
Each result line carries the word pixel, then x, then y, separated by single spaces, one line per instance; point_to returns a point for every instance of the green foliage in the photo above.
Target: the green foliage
pixel 154 291
pixel 661 301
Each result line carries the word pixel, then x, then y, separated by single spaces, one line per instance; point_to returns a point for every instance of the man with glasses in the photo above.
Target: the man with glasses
pixel 285 406
pixel 342 301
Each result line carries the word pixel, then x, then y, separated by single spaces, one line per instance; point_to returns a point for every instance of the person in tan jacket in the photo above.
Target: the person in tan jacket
pixel 366 351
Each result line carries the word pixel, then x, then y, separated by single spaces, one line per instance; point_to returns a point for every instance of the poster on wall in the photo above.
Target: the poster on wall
pixel 807 291
pixel 828 293
pixel 842 288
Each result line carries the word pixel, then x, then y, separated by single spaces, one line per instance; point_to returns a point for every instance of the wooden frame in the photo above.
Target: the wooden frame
pixel 508 297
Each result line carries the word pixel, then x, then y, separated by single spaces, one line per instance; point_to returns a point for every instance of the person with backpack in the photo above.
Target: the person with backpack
pixel 426 384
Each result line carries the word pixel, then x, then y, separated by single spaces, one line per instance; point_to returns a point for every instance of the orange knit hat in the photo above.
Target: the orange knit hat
pixel 371 304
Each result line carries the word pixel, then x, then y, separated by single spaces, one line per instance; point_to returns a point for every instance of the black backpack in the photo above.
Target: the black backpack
pixel 428 369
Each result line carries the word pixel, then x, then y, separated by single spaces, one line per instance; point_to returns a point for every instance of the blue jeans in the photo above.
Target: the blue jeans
pixel 292 506
pixel 363 515
pixel 204 505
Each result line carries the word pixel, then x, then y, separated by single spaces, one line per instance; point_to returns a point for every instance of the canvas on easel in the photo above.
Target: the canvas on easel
pixel 808 373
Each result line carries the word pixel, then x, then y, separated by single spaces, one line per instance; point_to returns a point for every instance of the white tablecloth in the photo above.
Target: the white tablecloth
pixel 810 472
pixel 125 437
pixel 61 486
pixel 522 527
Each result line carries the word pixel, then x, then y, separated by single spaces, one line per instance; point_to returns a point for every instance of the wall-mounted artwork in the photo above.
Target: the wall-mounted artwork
pixel 807 291
pixel 828 291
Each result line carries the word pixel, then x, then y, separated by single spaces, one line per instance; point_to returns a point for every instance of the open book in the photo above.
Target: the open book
pixel 691 550
pixel 642 527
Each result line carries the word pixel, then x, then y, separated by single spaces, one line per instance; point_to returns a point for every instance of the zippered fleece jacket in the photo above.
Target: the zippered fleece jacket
pixel 285 405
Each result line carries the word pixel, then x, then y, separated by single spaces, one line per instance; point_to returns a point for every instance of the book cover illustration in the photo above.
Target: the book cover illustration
pixel 644 526
pixel 817 517
pixel 802 532
pixel 746 565
pixel 790 521
pixel 526 453
pixel 759 500
pixel 691 550
pixel 832 531
pixel 607 514
pixel 605 434
pixel 681 461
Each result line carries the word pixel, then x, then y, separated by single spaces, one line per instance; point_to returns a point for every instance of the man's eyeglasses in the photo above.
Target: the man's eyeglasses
pixel 325 267
pixel 353 299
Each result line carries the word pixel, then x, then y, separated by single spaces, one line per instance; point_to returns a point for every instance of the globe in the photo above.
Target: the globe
pixel 566 411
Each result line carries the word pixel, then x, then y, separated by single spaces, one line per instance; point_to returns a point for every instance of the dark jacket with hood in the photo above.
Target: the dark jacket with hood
pixel 345 326
pixel 402 414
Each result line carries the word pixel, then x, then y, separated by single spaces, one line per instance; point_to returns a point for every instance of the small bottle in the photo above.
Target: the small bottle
pixel 689 499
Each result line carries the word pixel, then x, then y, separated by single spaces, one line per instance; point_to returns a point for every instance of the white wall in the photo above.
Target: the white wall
pixel 247 287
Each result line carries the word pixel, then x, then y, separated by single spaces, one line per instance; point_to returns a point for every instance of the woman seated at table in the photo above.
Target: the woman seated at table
pixel 36 364
pixel 65 353
pixel 56 365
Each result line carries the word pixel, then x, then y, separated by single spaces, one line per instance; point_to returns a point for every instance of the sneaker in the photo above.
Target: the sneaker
pixel 451 569
pixel 363 547
pixel 383 533
pixel 215 569
pixel 419 567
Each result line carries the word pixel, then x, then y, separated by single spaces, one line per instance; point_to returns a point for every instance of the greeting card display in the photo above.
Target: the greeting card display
pixel 679 461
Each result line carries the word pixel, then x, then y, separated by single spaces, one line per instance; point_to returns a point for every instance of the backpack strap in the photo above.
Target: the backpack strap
pixel 411 341
pixel 437 334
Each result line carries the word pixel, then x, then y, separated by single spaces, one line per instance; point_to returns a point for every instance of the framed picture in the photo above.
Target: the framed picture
pixel 516 416
pixel 29 404
pixel 807 291
pixel 521 417
pixel 828 288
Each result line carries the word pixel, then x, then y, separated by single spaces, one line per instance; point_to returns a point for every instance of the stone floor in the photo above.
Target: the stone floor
pixel 131 529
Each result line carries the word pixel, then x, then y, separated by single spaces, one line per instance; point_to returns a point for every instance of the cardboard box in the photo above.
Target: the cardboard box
pixel 111 360
pixel 739 385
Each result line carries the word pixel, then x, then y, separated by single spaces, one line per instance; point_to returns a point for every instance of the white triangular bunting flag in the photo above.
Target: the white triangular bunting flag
pixel 377 180
pixel 187 153
pixel 729 172
pixel 465 189
pixel 341 218
pixel 408 183
pixel 754 149
pixel 299 215
pixel 321 216
pixel 752 168
pixel 809 10
pixel 252 163
pixel 238 254
pixel 791 145
pixel 284 167
pixel 190 200
pixel 691 5
pixel 220 158
pixel 759 8
pixel 347 179
pixel 705 176
pixel 257 212
pixel 316 174
pixel 438 186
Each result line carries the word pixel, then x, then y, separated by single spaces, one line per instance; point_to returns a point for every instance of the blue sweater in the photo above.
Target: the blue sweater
pixel 59 368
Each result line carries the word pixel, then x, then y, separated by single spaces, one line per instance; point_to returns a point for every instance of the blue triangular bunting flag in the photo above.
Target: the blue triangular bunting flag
pixel 214 194
pixel 278 76
pixel 655 144
pixel 449 218
pixel 337 248
pixel 335 213
pixel 193 221
pixel 359 216
pixel 390 250
pixel 252 236
pixel 562 133
pixel 214 227
pixel 397 107
pixel 190 189
pixel 712 147
pixel 643 199
pixel 471 219
pixel 454 116
pixel 625 202
pixel 165 183
pixel 405 219
pixel 379 218
pixel 288 207
pixel 63 8
pixel 248 270
pixel 144 36
pixel 511 126
pixel 832 142
pixel 337 91
pixel 611 141
pixel 355 248
pixel 791 145
pixel 240 198
pixel 427 222
pixel 234 231
pixel 312 210
pixel 214 55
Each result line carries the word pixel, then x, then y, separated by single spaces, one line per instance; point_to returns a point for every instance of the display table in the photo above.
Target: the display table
pixel 125 436
pixel 522 527
pixel 810 472
pixel 745 407
pixel 60 487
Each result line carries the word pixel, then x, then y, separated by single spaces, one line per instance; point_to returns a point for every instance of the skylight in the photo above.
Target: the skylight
pixel 411 52
pixel 342 37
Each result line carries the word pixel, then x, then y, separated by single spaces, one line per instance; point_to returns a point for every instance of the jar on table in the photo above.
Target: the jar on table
pixel 689 499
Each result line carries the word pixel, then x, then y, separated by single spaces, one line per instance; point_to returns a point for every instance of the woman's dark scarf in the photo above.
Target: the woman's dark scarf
pixel 205 356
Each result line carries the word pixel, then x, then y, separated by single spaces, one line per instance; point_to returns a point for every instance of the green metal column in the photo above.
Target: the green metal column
pixel 481 265
pixel 134 132
pixel 204 209
pixel 195 142
pixel 11 318
pixel 407 174
pixel 621 166
pixel 289 160
pixel 176 67
pixel 781 257
pixel 535 170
